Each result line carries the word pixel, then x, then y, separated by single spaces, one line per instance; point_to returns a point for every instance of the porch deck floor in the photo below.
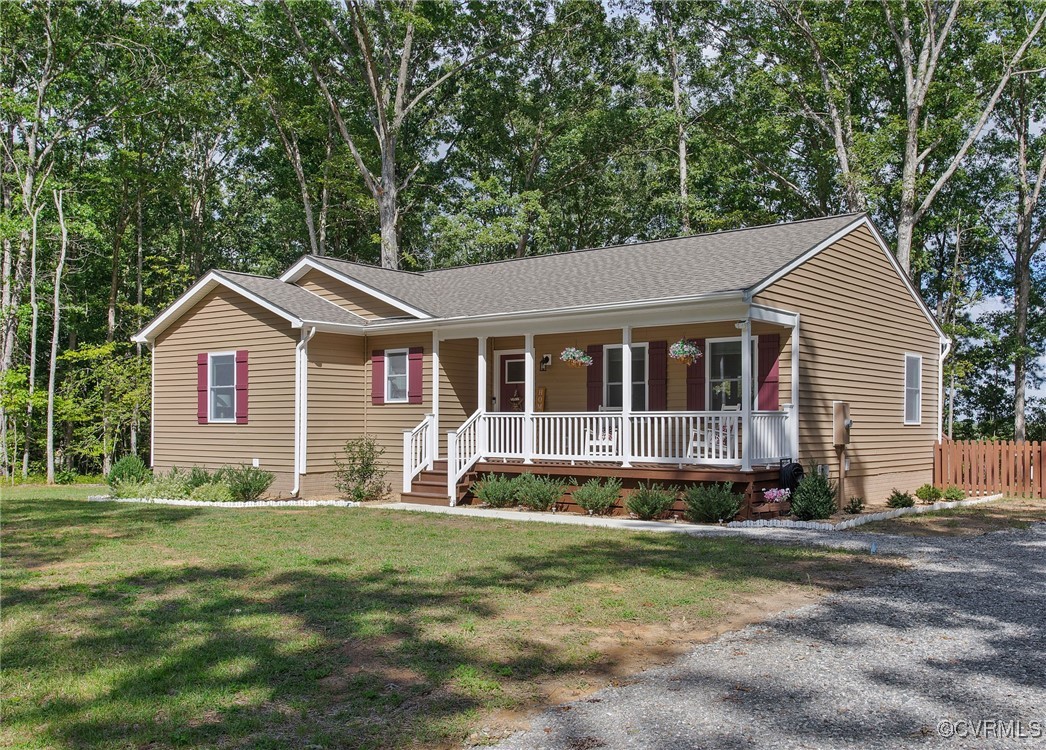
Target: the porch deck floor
pixel 646 471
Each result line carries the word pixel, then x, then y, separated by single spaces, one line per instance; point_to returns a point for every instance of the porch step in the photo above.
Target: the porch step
pixel 430 486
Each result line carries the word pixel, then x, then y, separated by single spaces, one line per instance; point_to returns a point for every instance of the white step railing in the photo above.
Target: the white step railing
pixel 419 450
pixel 465 446
pixel 771 440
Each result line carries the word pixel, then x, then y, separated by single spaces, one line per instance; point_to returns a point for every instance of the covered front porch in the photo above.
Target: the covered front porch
pixel 508 398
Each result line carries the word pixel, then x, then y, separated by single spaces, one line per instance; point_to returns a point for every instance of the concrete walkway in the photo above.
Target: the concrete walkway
pixel 951 653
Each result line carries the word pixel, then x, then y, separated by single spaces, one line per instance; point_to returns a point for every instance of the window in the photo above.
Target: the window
pixel 724 373
pixel 221 386
pixel 913 389
pixel 396 376
pixel 613 373
pixel 515 371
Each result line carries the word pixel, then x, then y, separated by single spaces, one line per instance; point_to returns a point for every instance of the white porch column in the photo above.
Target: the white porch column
pixel 482 398
pixel 793 417
pixel 434 430
pixel 528 403
pixel 746 394
pixel 626 396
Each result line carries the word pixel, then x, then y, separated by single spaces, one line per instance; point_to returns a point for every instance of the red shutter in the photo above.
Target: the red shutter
pixel 241 386
pixel 695 381
pixel 769 356
pixel 201 388
pixel 415 374
pixel 595 377
pixel 377 376
pixel 657 388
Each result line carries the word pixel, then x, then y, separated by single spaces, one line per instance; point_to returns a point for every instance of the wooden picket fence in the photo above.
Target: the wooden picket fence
pixel 989 467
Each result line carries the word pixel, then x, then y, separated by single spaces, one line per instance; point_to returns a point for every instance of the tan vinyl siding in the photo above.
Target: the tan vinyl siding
pixel 225 321
pixel 336 395
pixel 348 297
pixel 457 385
pixel 858 321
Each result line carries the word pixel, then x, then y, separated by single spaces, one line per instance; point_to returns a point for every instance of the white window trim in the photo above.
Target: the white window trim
pixel 919 401
pixel 646 373
pixel 210 402
pixel 755 368
pixel 406 391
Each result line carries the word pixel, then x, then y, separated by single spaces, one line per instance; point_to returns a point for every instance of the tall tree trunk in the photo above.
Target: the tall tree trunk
pixel 59 268
pixel 34 326
pixel 672 51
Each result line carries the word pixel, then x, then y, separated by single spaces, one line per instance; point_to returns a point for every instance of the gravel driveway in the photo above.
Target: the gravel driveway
pixel 916 661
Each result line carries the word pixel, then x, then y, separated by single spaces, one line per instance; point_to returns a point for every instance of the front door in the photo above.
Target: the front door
pixel 512 382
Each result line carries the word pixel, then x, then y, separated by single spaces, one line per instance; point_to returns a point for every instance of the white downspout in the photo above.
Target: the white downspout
pixel 946 348
pixel 301 395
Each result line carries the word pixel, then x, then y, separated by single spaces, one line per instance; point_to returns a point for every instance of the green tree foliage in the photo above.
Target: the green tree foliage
pixel 213 133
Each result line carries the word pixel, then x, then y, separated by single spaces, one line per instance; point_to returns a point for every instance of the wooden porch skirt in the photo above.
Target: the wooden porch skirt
pixel 749 483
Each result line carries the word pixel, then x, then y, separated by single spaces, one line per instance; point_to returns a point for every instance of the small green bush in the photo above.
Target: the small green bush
pixel 900 499
pixel 128 469
pixel 855 506
pixel 814 498
pixel 496 490
pixel 162 487
pixel 65 476
pixel 211 492
pixel 651 501
pixel 360 475
pixel 598 497
pixel 954 494
pixel 197 477
pixel 246 483
pixel 130 489
pixel 929 494
pixel 712 503
pixel 538 493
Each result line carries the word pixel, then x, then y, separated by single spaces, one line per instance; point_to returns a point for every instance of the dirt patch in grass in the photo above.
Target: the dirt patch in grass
pixel 971 520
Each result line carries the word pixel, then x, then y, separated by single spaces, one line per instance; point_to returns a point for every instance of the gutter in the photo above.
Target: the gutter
pixel 301 395
pixel 946 348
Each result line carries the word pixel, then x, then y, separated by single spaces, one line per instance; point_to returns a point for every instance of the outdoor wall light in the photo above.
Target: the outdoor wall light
pixel 546 361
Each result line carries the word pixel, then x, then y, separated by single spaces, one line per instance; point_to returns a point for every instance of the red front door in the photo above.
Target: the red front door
pixel 512 384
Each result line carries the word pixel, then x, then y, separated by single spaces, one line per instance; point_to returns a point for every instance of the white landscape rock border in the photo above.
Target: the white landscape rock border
pixel 784 523
pixel 237 504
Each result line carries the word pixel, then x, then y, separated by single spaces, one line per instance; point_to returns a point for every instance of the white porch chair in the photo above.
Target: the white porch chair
pixel 601 443
pixel 701 439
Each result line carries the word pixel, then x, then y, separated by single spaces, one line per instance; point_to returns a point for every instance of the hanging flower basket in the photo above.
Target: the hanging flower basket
pixel 575 357
pixel 685 350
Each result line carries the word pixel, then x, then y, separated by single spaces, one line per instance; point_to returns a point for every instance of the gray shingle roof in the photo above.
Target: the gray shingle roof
pixel 292 299
pixel 685 266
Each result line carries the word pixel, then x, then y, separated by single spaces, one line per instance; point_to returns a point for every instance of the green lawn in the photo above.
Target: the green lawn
pixel 133 626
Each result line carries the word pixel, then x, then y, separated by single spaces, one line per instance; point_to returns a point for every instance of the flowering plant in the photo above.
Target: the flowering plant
pixel 575 357
pixel 776 495
pixel 685 350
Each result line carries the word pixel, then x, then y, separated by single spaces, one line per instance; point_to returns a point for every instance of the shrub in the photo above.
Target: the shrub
pixel 246 483
pixel 128 469
pixel 651 501
pixel 130 489
pixel 538 493
pixel 211 492
pixel 162 487
pixel 197 477
pixel 900 499
pixel 929 494
pixel 712 503
pixel 855 506
pixel 65 476
pixel 360 475
pixel 598 497
pixel 496 490
pixel 814 498
pixel 952 494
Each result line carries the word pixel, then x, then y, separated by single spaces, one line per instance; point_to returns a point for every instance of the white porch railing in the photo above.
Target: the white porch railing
pixel 710 438
pixel 465 446
pixel 419 449
pixel 771 439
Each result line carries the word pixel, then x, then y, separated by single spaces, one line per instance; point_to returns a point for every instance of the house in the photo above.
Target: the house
pixel 459 370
